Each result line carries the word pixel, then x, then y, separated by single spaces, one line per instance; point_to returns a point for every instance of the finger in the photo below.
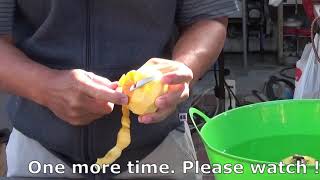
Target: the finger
pixel 156 117
pixel 175 95
pixel 103 93
pixel 98 79
pixel 177 77
pixel 97 107
pixel 113 85
pixel 162 65
pixel 101 80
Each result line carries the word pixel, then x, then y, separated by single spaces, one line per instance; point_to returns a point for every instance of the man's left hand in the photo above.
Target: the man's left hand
pixel 178 76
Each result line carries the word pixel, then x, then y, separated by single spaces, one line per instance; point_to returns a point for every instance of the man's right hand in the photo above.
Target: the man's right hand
pixel 80 97
pixel 76 96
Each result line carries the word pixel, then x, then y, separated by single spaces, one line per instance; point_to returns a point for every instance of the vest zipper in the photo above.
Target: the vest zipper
pixel 88 35
pixel 87 68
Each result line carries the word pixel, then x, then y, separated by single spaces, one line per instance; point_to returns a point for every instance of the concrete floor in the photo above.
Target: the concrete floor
pixel 260 68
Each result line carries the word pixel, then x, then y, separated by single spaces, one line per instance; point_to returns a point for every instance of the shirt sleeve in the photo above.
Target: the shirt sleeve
pixel 189 11
pixel 7 8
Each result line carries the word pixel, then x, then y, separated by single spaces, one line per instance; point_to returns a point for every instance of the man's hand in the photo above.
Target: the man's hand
pixel 80 97
pixel 76 96
pixel 195 52
pixel 177 76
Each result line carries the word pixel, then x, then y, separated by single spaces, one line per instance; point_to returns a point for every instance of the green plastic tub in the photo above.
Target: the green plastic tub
pixel 263 134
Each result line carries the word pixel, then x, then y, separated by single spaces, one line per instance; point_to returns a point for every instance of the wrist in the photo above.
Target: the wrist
pixel 39 89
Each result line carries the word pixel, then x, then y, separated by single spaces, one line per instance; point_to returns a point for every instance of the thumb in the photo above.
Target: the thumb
pixel 102 89
pixel 177 77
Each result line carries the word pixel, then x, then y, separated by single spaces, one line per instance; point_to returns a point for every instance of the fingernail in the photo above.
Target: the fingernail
pixel 124 100
pixel 113 85
pixel 139 119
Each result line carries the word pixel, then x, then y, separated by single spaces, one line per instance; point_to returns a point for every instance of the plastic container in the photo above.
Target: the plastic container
pixel 264 134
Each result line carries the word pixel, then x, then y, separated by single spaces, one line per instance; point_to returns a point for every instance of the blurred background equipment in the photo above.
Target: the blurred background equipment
pixel 264 42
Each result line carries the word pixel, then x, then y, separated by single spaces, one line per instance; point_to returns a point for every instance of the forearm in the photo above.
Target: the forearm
pixel 18 74
pixel 200 45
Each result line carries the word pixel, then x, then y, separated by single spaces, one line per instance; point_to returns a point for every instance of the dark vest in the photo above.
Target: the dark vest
pixel 107 37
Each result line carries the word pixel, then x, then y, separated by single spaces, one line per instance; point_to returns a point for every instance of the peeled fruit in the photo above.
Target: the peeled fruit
pixel 142 100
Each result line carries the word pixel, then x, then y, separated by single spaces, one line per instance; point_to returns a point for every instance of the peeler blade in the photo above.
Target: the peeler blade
pixel 142 82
